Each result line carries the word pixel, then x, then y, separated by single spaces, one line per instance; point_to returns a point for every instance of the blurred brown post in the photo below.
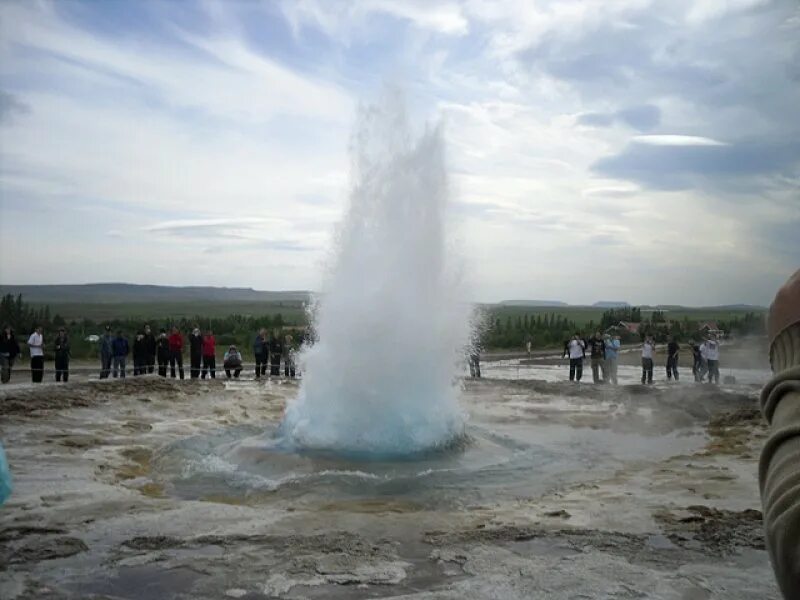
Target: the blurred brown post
pixel 779 468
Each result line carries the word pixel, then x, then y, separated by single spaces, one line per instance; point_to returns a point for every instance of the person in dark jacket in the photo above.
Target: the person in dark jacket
pixel 261 353
pixel 106 353
pixel 175 352
pixel 597 346
pixel 672 359
pixel 195 353
pixel 209 354
pixel 139 355
pixel 149 349
pixel 162 353
pixel 9 350
pixel 698 370
pixel 62 355
pixel 275 353
pixel 120 350
pixel 779 467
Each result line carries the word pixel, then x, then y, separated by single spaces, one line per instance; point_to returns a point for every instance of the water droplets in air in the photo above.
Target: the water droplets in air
pixel 391 321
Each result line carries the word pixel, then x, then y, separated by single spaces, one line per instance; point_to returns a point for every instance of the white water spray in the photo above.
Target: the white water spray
pixel 392 323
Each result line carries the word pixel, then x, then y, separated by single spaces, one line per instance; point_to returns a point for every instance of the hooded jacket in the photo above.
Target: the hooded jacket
pixel 120 346
pixel 195 345
pixel 61 347
pixel 9 346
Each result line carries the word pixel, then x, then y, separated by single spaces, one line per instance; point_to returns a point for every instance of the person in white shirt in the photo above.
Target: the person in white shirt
pixel 710 351
pixel 36 347
pixel 648 348
pixel 576 350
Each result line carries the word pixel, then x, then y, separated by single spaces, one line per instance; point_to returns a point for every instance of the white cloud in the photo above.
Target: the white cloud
pixel 340 17
pixel 676 140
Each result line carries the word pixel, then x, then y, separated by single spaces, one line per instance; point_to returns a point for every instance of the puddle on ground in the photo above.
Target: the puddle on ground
pixel 245 465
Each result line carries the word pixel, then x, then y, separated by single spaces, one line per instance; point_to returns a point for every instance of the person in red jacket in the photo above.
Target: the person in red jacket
pixel 175 352
pixel 209 357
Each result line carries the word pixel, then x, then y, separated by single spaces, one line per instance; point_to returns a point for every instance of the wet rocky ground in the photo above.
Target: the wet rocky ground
pixel 650 493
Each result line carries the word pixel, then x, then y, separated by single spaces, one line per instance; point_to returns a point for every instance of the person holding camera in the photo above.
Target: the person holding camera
pixel 576 350
pixel 648 349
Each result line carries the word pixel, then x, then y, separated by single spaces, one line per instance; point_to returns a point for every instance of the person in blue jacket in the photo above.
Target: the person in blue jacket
pixel 612 355
pixel 120 351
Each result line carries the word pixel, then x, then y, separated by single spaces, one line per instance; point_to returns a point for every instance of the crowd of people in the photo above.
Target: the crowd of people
pixel 154 353
pixel 604 354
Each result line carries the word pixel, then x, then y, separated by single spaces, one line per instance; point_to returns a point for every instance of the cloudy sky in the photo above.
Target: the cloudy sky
pixel 639 150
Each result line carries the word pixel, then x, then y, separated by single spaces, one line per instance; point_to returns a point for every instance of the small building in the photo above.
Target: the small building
pixel 624 327
pixel 710 328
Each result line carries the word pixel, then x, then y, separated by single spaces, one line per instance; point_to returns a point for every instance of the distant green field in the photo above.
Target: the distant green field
pixel 583 314
pixel 292 312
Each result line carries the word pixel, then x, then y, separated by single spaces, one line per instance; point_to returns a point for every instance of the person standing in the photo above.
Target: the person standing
pixel 36 347
pixel 648 349
pixel 195 353
pixel 232 361
pixel 672 358
pixel 576 350
pixel 139 358
pixel 62 352
pixel 261 353
pixel 712 358
pixel 611 359
pixel 162 353
pixel 209 354
pixel 175 352
pixel 598 354
pixel 106 353
pixel 275 353
pixel 698 370
pixel 9 350
pixel 120 351
pixel 149 349
pixel 288 358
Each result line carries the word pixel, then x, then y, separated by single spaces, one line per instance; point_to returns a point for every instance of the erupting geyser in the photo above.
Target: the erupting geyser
pixel 391 322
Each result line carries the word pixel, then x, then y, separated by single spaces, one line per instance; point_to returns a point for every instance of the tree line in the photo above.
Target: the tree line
pixel 234 329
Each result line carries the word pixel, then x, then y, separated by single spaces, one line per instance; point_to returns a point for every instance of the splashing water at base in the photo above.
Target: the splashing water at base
pixel 391 322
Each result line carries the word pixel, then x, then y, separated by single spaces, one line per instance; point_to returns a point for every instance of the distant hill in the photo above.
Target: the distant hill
pixel 610 304
pixel 532 303
pixel 108 293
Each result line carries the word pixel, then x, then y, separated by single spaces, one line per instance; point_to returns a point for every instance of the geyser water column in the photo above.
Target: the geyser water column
pixel 391 322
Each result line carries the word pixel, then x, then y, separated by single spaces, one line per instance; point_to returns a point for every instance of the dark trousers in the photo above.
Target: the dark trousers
pixel 713 371
pixel 672 367
pixel 474 366
pixel 262 360
pixel 236 372
pixel 195 366
pixel 105 366
pixel 138 366
pixel 210 364
pixel 5 367
pixel 162 367
pixel 597 364
pixel 275 365
pixel 175 357
pixel 647 370
pixel 150 362
pixel 37 368
pixel 62 369
pixel 575 369
pixel 119 365
pixel 288 369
